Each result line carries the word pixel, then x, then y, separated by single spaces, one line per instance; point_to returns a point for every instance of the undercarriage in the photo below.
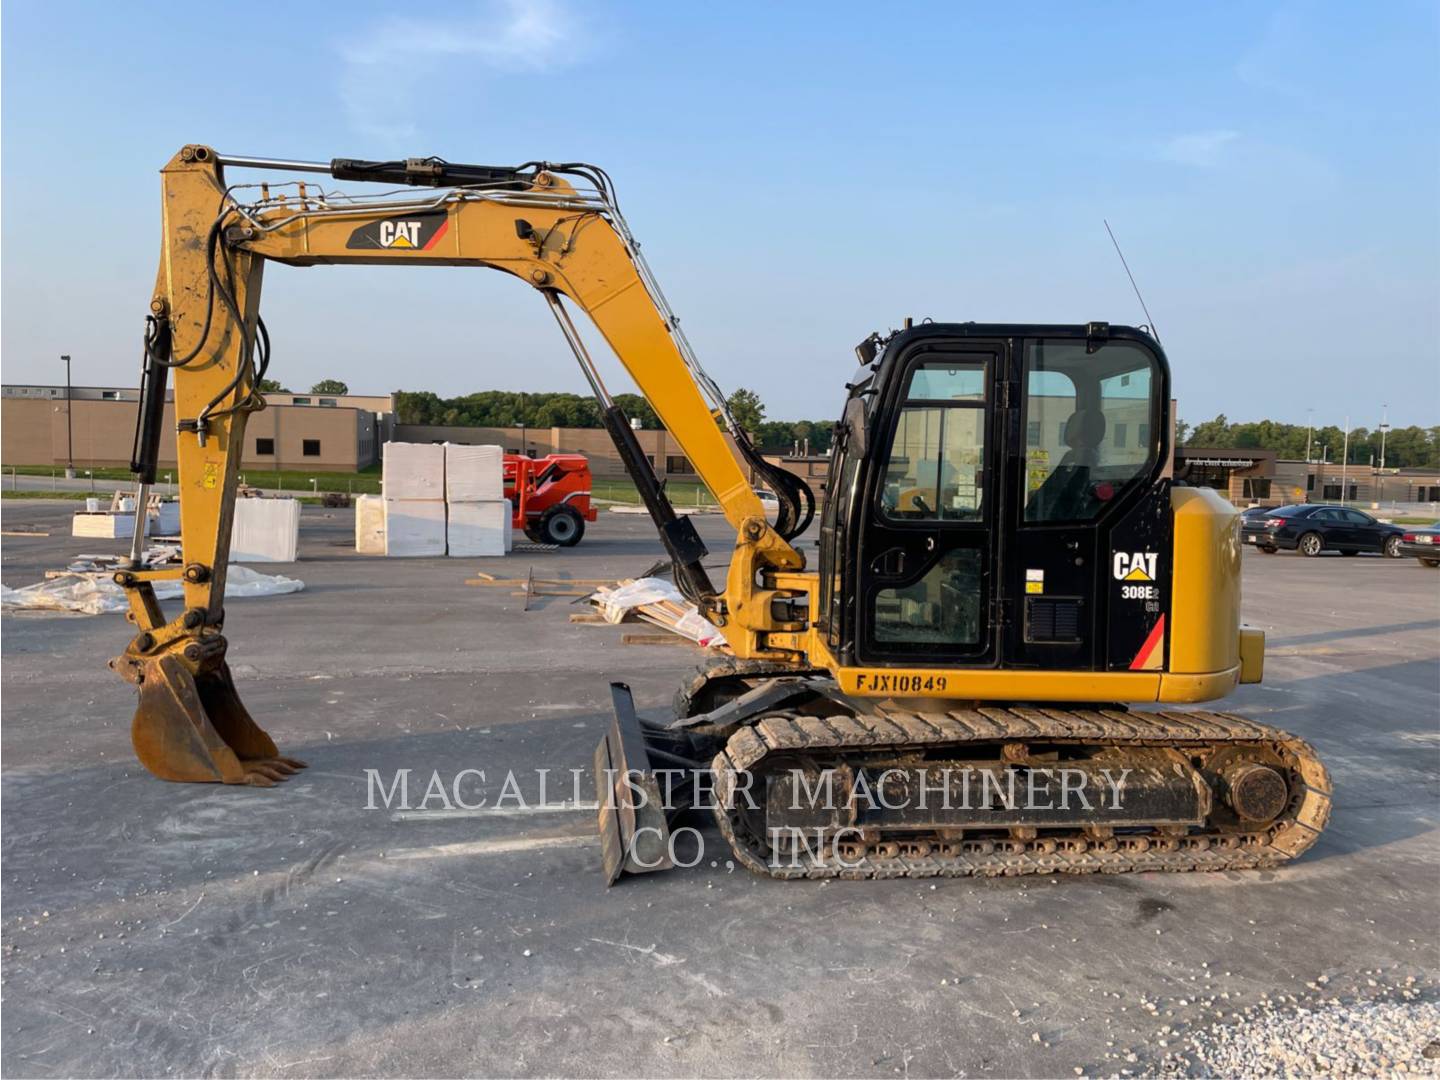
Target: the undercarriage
pixel 804 782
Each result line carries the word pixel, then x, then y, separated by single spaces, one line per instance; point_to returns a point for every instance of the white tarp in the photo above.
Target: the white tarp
pixel 88 594
pixel 618 602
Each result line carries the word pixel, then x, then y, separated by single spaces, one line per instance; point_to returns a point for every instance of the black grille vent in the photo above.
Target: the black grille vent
pixel 1052 619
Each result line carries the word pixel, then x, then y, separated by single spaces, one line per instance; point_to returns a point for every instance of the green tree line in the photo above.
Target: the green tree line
pixel 505 408
pixel 1407 447
pixel 324 386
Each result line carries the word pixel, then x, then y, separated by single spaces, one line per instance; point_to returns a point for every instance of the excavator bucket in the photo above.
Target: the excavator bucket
pixel 634 834
pixel 190 726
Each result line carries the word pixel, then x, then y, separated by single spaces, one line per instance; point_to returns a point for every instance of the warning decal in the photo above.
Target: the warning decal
pixel 1151 656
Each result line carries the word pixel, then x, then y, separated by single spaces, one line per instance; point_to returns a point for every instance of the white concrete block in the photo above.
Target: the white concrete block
pixel 474 473
pixel 413 470
pixel 103 524
pixel 478 528
pixel 265 530
pixel 94 522
pixel 370 525
pixel 414 527
pixel 167 521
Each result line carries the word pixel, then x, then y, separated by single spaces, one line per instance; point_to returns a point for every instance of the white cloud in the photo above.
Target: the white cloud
pixel 387 60
pixel 1200 148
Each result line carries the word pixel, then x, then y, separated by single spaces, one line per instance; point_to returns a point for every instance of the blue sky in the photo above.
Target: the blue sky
pixel 799 174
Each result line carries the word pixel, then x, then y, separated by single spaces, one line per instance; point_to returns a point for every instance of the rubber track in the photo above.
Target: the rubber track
pixel 1283 839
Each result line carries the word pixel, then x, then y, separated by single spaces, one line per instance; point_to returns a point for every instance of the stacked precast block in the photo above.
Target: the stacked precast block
pixel 436 499
pixel 412 479
pixel 478 514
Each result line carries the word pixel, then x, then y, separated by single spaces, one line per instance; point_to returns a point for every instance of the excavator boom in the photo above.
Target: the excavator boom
pixel 555 227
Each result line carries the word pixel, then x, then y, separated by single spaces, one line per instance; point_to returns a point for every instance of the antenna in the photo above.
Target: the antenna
pixel 1131 276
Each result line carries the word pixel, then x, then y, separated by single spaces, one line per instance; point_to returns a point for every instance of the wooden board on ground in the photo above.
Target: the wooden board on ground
pixel 657 639
pixel 531 587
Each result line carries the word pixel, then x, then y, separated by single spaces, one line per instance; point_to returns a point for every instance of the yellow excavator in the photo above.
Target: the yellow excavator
pixel 1010 588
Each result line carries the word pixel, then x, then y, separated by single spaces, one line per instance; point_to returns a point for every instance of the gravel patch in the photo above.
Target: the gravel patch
pixel 1398 1036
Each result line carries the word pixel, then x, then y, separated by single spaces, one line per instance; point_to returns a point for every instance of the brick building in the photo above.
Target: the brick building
pixel 95 427
pixel 1252 476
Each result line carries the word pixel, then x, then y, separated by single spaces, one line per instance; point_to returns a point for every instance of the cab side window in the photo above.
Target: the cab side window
pixel 1089 417
pixel 935 470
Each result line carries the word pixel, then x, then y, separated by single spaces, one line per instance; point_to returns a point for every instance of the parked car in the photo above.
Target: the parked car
pixel 1423 544
pixel 1256 513
pixel 770 502
pixel 1311 528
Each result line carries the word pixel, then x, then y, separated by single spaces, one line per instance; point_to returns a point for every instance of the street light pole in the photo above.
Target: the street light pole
pixel 1345 461
pixel 69 423
pixel 1384 429
pixel 1309 431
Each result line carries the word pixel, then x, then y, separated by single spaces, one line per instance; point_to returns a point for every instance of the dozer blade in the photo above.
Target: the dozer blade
pixel 191 727
pixel 634 835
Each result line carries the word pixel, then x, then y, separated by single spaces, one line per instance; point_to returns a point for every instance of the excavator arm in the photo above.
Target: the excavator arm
pixel 555 227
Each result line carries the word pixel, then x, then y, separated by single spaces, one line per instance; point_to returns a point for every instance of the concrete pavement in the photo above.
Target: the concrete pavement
pixel 152 927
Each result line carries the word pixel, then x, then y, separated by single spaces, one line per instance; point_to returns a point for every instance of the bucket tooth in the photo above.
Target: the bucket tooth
pixel 191 727
pixel 634 835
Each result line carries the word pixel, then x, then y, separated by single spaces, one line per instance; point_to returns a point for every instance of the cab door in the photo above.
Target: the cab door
pixel 927 560
pixel 1089 566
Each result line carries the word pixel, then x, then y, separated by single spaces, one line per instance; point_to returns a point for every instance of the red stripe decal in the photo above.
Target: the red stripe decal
pixel 1152 642
pixel 438 234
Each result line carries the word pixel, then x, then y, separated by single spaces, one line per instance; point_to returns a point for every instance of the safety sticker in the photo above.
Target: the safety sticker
pixel 1034 581
pixel 1151 656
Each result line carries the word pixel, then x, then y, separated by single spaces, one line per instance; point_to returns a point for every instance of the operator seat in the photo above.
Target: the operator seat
pixel 1066 493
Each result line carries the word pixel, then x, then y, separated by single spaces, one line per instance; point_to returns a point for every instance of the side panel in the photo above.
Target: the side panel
pixel 1205 609
pixel 1136 582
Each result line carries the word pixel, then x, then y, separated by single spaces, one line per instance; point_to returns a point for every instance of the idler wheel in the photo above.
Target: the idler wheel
pixel 1256 792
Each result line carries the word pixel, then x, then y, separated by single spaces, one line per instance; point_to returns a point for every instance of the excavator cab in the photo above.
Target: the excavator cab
pixel 1002 557
pixel 984 477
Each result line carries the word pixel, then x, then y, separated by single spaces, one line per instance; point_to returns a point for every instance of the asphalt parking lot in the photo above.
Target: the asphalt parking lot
pixel 153 928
